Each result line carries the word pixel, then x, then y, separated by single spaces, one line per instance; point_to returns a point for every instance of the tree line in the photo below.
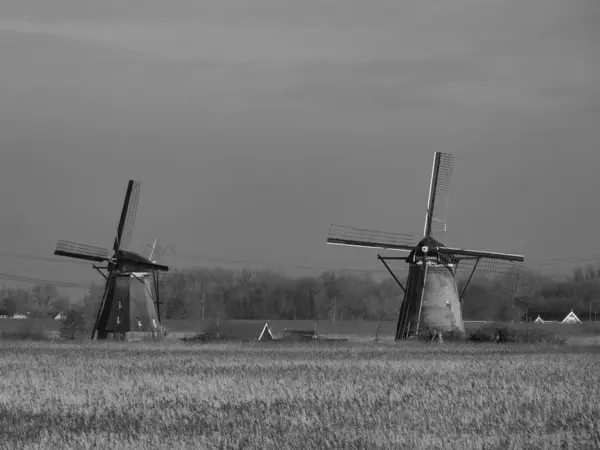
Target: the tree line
pixel 264 294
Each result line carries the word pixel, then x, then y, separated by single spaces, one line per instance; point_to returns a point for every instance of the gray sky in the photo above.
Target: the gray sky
pixel 254 125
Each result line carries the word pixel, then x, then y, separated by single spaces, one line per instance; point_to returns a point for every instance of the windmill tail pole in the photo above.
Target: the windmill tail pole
pixel 102 302
pixel 422 291
pixel 153 248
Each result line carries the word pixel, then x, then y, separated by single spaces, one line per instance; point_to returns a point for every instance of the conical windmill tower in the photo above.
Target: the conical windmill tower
pixel 130 300
pixel 431 298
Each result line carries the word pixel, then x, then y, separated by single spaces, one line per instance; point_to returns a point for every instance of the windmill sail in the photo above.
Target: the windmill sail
pixel 481 254
pixel 439 190
pixel 492 262
pixel 360 237
pixel 128 214
pixel 81 251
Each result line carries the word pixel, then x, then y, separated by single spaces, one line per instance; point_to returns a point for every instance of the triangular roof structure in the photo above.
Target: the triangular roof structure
pixel 266 334
pixel 538 320
pixel 547 316
pixel 243 330
pixel 571 318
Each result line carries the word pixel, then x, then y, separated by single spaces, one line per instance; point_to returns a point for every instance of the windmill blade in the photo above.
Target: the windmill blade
pixel 81 251
pixel 463 252
pixel 492 262
pixel 128 213
pixel 491 265
pixel 439 190
pixel 359 237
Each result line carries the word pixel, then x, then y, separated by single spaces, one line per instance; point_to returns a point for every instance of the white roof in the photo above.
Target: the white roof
pixel 267 329
pixel 571 318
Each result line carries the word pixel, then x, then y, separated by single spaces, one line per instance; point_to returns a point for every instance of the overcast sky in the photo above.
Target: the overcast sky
pixel 254 125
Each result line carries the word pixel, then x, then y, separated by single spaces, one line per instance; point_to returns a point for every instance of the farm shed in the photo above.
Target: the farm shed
pixel 299 335
pixel 242 331
pixel 571 318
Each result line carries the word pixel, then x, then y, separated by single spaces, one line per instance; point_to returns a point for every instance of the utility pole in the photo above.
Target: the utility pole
pixel 202 306
pixel 334 306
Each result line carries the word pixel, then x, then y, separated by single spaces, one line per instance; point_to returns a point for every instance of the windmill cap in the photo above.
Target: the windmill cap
pixel 429 245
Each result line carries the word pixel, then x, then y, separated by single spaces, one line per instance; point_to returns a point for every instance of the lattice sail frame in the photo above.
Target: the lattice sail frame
pixel 362 237
pixel 439 193
pixel 81 251
pixel 490 265
pixel 128 214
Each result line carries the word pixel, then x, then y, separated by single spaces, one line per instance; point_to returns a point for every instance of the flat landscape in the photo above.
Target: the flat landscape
pixel 356 331
pixel 315 395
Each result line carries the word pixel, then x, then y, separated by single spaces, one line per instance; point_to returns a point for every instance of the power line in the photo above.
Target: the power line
pixel 594 258
pixel 197 256
pixel 42 258
pixel 31 280
pixel 208 258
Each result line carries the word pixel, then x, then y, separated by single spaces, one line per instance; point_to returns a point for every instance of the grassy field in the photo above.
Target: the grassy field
pixel 309 396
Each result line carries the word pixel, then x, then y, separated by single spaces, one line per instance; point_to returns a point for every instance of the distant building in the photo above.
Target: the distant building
pixel 571 319
pixel 546 316
pixel 242 331
pixel 554 317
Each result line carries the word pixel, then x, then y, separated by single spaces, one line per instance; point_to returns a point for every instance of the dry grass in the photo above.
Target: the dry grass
pixel 409 395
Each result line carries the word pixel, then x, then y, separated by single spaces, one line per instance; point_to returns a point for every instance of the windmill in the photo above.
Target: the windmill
pixel 131 297
pixel 432 301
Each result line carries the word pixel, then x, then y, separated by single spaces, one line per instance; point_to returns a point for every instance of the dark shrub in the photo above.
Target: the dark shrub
pixel 26 330
pixel 76 325
pixel 514 333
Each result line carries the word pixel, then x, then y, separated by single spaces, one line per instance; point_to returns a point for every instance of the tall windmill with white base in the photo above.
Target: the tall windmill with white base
pixel 432 302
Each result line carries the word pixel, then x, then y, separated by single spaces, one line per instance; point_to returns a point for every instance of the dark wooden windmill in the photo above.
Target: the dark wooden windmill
pixel 431 301
pixel 131 297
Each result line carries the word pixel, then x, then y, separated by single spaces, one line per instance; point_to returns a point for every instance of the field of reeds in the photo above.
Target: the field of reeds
pixel 310 396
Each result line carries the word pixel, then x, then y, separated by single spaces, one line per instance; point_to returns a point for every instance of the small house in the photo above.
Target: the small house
pixel 556 317
pixel 571 319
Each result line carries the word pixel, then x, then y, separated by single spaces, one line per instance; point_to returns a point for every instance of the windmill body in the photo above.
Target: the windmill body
pixel 130 305
pixel 131 297
pixel 432 301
